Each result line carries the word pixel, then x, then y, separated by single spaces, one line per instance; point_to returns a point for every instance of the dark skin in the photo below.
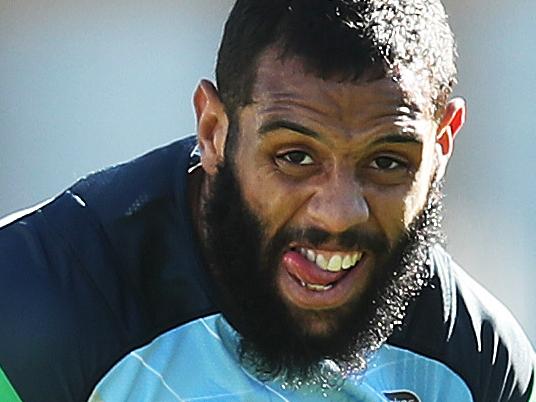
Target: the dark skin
pixel 330 155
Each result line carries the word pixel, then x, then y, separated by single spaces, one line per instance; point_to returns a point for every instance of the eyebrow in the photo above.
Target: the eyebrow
pixel 400 137
pixel 287 125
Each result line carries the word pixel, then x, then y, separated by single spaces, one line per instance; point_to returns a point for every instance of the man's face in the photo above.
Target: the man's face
pixel 335 157
pixel 329 176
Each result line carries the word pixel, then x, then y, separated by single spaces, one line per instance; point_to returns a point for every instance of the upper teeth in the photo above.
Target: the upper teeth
pixel 333 262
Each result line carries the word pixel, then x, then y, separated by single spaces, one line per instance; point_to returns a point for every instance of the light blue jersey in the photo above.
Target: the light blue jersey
pixel 198 362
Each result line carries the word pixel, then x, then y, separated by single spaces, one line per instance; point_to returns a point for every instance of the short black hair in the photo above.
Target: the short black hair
pixel 340 39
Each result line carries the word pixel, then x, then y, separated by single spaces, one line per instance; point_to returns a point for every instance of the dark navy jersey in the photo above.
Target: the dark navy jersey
pixel 114 262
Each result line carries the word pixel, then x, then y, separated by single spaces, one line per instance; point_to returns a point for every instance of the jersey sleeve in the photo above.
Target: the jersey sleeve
pixel 97 272
pixel 503 364
pixel 456 322
pixel 60 322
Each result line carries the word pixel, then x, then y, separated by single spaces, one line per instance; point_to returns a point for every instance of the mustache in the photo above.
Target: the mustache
pixel 352 238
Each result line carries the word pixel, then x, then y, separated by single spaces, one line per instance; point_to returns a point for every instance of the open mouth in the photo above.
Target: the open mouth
pixel 318 279
pixel 320 270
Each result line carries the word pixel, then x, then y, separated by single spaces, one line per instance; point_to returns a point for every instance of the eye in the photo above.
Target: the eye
pixel 297 158
pixel 387 163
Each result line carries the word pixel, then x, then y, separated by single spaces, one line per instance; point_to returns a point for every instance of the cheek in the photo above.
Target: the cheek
pixel 274 199
pixel 387 207
pixel 415 202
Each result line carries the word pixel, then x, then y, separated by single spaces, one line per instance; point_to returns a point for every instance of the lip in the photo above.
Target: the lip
pixel 346 285
pixel 330 248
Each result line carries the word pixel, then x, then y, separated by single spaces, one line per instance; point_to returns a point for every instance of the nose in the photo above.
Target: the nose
pixel 338 203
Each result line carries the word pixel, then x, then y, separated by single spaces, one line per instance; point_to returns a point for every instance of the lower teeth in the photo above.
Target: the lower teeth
pixel 318 288
pixel 315 287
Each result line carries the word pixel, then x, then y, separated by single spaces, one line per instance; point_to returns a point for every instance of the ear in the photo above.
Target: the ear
pixel 450 125
pixel 212 125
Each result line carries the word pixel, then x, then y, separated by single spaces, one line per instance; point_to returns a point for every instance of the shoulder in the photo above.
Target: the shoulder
pixel 122 190
pixel 92 217
pixel 105 195
pixel 99 224
pixel 458 323
pixel 88 276
pixel 504 358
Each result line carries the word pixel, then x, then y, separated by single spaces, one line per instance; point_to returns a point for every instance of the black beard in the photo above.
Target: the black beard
pixel 274 340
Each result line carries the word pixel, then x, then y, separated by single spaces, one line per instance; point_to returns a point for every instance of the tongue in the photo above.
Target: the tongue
pixel 299 266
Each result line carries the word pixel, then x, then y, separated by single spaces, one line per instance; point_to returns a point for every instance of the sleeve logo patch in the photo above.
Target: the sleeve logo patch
pixel 401 396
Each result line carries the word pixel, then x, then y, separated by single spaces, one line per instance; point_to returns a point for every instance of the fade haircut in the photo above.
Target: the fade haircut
pixel 342 40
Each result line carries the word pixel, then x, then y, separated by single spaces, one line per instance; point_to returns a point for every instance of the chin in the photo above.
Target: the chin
pixel 320 328
pixel 320 325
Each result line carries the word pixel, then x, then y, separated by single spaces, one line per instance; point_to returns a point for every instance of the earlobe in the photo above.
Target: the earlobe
pixel 212 125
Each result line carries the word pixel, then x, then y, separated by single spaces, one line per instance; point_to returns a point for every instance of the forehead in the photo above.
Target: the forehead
pixel 286 87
